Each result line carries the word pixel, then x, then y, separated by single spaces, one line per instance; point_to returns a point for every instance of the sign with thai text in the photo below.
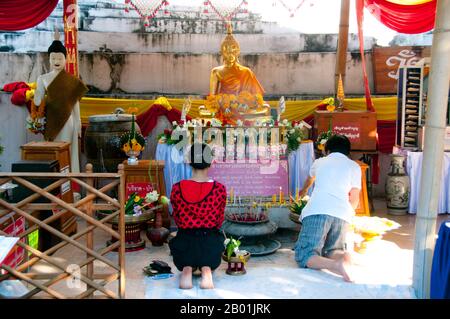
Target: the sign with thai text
pixel 351 130
pixel 141 188
pixel 252 179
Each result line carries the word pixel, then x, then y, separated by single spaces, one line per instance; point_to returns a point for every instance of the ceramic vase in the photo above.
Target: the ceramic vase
pixel 158 235
pixel 397 187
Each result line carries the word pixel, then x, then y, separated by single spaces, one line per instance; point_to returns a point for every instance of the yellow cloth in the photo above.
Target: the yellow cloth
pixel 386 107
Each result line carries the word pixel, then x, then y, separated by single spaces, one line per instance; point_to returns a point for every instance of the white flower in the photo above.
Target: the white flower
pixel 292 131
pixel 285 122
pixel 305 198
pixel 239 123
pixel 226 242
pixel 323 141
pixel 236 250
pixel 299 139
pixel 174 123
pixel 241 253
pixel 152 197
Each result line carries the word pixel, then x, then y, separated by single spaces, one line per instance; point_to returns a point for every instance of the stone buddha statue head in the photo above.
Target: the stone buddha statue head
pixel 230 48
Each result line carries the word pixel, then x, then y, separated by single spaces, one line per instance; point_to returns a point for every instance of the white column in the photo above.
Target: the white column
pixel 433 151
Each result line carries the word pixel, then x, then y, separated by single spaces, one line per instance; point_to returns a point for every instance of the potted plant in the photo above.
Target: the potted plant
pixel 235 257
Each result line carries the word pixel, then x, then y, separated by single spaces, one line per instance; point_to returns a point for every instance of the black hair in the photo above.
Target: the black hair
pixel 57 47
pixel 200 156
pixel 338 144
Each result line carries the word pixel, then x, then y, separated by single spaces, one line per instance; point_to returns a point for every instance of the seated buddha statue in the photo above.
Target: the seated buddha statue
pixel 234 78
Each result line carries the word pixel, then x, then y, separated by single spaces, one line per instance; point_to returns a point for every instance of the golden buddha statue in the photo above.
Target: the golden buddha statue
pixel 238 81
pixel 232 77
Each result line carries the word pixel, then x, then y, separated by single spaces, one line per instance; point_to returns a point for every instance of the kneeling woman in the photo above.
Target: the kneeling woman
pixel 198 210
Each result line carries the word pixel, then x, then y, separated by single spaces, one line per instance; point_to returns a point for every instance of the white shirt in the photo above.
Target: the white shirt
pixel 335 175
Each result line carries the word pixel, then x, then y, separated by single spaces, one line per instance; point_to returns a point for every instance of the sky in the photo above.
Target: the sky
pixel 314 16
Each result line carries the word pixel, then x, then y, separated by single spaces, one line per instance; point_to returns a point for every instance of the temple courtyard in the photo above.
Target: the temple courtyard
pixel 384 270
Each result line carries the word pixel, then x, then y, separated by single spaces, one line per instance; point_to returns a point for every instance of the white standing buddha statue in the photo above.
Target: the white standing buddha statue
pixel 61 93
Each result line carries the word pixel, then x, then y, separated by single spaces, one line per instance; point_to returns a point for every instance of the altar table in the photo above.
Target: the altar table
pixel 175 169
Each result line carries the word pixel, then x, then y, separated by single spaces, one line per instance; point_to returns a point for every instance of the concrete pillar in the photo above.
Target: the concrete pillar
pixel 433 151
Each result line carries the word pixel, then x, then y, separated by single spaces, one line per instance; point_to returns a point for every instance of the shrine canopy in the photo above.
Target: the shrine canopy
pixel 18 15
pixel 404 16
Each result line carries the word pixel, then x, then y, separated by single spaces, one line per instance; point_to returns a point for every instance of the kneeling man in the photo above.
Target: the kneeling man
pixel 327 216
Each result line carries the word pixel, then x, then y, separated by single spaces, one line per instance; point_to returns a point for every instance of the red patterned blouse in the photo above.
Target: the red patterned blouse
pixel 198 204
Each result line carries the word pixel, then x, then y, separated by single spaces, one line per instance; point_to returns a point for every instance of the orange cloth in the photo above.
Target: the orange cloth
pixel 238 79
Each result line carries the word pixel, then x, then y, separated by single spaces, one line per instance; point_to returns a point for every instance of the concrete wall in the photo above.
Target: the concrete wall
pixel 38 41
pixel 187 73
pixel 13 132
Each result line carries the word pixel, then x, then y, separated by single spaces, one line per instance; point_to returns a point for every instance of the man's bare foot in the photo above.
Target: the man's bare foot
pixel 207 281
pixel 343 267
pixel 186 278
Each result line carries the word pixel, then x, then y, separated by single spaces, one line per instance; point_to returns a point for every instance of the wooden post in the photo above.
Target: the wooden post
pixel 341 55
pixel 122 231
pixel 433 151
pixel 89 235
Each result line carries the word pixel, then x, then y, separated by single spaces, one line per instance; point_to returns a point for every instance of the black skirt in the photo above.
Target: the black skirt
pixel 197 248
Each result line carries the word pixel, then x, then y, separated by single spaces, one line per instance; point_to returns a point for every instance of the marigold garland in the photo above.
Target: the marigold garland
pixel 36 121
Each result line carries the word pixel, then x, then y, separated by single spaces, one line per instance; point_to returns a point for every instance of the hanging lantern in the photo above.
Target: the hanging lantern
pixel 147 9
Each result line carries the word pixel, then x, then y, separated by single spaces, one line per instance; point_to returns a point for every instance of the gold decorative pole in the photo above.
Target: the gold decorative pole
pixel 340 95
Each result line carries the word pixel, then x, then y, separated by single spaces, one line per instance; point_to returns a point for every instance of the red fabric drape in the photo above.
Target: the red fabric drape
pixel 386 135
pixel 18 15
pixel 360 18
pixel 410 19
pixel 147 120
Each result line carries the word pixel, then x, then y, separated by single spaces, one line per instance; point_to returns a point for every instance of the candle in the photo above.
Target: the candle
pixel 296 194
pixel 231 195
pixel 234 199
pixel 281 195
pixel 274 199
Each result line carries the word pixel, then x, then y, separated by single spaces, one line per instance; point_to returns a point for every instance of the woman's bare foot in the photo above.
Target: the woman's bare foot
pixel 343 266
pixel 207 281
pixel 186 278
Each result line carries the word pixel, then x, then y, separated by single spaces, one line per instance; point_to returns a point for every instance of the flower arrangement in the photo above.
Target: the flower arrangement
pixel 323 138
pixel 36 120
pixel 232 249
pixel 228 107
pixel 167 137
pixel 132 140
pixel 297 205
pixel 136 204
pixel 294 136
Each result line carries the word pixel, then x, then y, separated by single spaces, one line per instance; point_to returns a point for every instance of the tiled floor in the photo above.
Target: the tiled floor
pixel 384 271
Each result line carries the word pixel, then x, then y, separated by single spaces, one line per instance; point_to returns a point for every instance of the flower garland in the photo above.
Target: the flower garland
pixel 36 120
